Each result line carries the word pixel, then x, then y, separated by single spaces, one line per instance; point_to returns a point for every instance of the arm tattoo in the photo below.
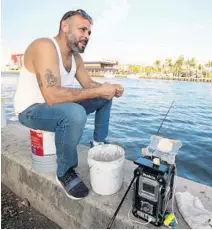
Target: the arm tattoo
pixel 51 78
pixel 39 80
pixel 76 92
pixel 94 84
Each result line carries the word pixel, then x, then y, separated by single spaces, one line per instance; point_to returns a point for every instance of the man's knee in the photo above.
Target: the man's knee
pixel 103 101
pixel 76 114
pixel 80 114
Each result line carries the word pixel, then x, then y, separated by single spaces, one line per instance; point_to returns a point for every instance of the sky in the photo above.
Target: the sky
pixel 131 31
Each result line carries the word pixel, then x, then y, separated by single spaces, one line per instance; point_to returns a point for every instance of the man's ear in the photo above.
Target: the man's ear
pixel 65 26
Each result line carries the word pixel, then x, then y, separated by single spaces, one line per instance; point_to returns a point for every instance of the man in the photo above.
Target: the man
pixel 45 100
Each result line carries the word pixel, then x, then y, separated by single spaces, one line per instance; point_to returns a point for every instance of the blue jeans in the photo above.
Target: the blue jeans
pixel 68 120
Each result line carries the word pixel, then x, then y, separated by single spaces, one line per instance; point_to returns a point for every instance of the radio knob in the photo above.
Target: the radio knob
pixel 160 179
pixel 146 207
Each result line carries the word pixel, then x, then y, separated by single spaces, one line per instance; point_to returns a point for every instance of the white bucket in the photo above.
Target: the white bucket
pixel 43 151
pixel 106 168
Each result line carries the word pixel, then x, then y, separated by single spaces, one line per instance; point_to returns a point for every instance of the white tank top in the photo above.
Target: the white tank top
pixel 28 91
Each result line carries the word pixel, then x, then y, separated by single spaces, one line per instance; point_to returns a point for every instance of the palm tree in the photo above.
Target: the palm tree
pixel 149 69
pixel 134 68
pixel 190 65
pixel 157 64
pixel 178 64
pixel 208 65
pixel 169 64
pixel 193 62
pixel 200 67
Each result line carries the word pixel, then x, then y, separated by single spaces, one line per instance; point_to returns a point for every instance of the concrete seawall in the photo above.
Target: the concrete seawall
pixel 48 197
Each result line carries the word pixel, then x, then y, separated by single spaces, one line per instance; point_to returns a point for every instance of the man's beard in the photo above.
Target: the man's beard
pixel 73 44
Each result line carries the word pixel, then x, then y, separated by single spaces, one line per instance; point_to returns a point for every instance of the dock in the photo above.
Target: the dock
pixel 45 195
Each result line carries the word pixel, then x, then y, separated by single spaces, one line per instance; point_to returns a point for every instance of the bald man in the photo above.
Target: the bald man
pixel 46 100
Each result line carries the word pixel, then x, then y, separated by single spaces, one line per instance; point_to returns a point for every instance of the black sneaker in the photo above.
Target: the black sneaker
pixel 74 187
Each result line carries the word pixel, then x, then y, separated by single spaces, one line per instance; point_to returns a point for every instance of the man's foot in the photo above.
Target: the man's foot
pixel 94 143
pixel 74 187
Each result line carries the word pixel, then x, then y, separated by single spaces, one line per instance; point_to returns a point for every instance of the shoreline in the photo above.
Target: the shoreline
pixel 140 77
pixel 162 78
pixel 9 71
pixel 179 78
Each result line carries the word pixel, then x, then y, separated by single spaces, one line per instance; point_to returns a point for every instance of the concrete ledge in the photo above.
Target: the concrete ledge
pixel 48 197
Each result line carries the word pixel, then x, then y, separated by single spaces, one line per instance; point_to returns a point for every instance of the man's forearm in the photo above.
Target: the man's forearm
pixel 93 84
pixel 55 94
pixel 62 95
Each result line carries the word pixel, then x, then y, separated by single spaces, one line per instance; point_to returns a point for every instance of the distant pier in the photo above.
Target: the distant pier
pixel 178 78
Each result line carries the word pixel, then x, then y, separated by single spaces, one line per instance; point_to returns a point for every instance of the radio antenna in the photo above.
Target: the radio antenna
pixel 164 118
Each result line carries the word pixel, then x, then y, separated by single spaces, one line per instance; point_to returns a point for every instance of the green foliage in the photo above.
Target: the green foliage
pixel 177 67
pixel 209 64
pixel 134 68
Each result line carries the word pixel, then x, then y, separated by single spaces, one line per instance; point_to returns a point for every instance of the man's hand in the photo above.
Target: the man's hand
pixel 119 90
pixel 107 90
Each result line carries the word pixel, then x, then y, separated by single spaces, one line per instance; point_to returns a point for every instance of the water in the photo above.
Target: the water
pixel 138 114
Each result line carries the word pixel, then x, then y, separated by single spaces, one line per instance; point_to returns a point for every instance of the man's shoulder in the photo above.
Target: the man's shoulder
pixel 40 47
pixel 44 42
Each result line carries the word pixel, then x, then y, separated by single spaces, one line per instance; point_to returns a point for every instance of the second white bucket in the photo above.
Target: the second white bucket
pixel 106 168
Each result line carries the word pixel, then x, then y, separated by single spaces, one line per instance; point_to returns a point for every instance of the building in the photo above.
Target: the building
pixel 101 66
pixel 17 59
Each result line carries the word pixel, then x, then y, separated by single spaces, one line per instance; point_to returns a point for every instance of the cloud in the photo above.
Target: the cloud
pixel 112 17
pixel 104 30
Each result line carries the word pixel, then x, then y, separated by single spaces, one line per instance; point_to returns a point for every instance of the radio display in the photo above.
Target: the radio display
pixel 148 188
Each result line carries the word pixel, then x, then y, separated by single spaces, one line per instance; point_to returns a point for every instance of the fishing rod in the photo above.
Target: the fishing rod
pixel 164 118
pixel 135 176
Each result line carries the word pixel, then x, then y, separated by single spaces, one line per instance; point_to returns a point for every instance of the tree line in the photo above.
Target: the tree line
pixel 178 67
